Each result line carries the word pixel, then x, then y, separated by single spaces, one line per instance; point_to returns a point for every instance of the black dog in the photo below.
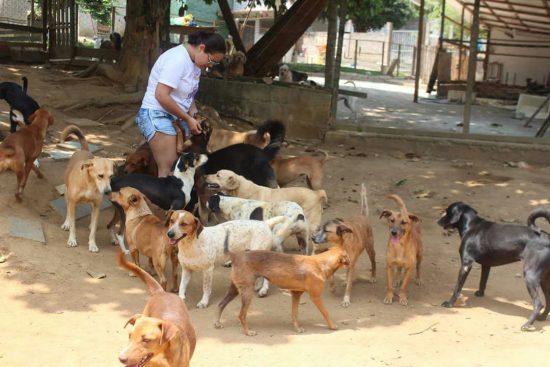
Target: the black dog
pixel 19 101
pixel 492 244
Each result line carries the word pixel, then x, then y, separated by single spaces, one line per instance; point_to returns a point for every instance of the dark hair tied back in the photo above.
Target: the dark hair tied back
pixel 212 42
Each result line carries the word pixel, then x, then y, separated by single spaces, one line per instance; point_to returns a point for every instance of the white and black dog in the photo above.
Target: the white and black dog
pixel 22 106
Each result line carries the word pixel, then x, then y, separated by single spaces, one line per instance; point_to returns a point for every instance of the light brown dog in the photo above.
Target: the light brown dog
pixel 297 273
pixel 221 138
pixel 404 250
pixel 162 336
pixel 87 178
pixel 141 161
pixel 235 185
pixel 353 235
pixel 291 168
pixel 146 234
pixel 19 150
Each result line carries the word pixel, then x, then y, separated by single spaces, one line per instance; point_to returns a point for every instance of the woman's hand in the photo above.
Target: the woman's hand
pixel 194 126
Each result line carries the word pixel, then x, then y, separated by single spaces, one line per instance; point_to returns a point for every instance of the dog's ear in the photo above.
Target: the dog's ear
pixel 32 117
pixel 168 216
pixel 198 226
pixel 86 165
pixel 385 214
pixel 341 229
pixel 414 218
pixel 133 200
pixel 169 331
pixel 50 120
pixel 132 320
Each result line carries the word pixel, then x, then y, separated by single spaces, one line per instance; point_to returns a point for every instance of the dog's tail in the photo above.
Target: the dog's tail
pixel 322 194
pixel 535 214
pixel 364 203
pixel 152 285
pixel 25 84
pixel 400 204
pixel 324 154
pixel 73 129
pixel 6 152
pixel 276 130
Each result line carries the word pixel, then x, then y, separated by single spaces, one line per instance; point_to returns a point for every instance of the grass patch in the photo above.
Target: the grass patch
pixel 320 68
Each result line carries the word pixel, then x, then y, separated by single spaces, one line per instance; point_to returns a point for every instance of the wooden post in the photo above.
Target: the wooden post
pixel 442 29
pixel 355 54
pixel 113 18
pixel 472 61
pixel 487 53
pixel 460 51
pixel 45 13
pixel 389 41
pixel 382 65
pixel 419 43
pixel 231 26
pixel 398 59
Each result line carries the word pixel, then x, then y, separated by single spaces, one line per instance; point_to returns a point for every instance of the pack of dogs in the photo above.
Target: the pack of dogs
pixel 228 201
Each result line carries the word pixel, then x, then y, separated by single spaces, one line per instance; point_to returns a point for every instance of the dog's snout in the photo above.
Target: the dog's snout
pixel 394 232
pixel 123 359
pixel 170 234
pixel 107 191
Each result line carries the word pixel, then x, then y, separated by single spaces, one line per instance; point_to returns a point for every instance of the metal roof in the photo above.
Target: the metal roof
pixel 523 15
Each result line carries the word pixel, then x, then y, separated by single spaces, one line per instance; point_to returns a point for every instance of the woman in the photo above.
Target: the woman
pixel 172 85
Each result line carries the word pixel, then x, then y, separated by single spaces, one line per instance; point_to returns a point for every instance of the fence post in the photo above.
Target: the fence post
pixel 413 67
pixel 383 49
pixel 398 58
pixel 355 55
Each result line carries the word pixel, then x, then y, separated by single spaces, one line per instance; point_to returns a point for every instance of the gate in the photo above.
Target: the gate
pixel 62 28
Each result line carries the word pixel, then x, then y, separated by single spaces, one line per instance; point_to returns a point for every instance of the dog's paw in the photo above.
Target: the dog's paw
pixel 92 247
pixel 227 264
pixel 262 293
pixel 479 293
pixel 250 333
pixel 372 280
pixel 388 300
pixel 299 330
pixel 218 325
pixel 419 282
pixel 345 302
pixel 65 226
pixel 447 304
pixel 527 327
pixel 72 242
pixel 202 304
pixel 403 301
pixel 333 327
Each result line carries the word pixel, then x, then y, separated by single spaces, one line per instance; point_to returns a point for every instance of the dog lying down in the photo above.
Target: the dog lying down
pixel 201 248
pixel 296 273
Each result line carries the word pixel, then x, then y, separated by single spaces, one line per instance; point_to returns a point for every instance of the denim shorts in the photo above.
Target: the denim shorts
pixel 151 121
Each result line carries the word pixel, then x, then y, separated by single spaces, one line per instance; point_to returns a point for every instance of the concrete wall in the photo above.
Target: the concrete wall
pixel 304 111
pixel 522 67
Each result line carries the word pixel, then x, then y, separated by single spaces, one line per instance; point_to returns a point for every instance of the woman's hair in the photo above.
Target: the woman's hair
pixel 212 42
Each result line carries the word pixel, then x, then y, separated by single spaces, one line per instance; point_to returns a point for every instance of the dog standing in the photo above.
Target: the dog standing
pixel 354 236
pixel 291 168
pixel 87 178
pixel 296 273
pixel 141 161
pixel 201 248
pixel 270 130
pixel 22 106
pixel 146 234
pixel 404 250
pixel 163 334
pixel 20 149
pixel 493 244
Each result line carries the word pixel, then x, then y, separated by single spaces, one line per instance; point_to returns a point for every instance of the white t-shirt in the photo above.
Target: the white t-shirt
pixel 175 69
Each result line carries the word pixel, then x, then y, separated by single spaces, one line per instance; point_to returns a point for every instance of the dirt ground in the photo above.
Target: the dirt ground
pixel 53 310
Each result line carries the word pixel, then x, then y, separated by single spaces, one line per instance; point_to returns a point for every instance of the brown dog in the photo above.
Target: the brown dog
pixel 141 161
pixel 296 273
pixel 354 236
pixel 87 178
pixel 291 168
pixel 404 250
pixel 146 234
pixel 162 335
pixel 222 138
pixel 19 150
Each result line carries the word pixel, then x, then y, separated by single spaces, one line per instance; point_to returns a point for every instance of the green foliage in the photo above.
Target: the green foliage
pixel 99 9
pixel 368 15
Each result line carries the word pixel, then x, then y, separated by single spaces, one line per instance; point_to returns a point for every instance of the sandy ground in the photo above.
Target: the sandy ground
pixel 54 314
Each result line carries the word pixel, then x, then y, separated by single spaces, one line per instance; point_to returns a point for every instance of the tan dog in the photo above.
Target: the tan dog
pixel 404 250
pixel 222 138
pixel 291 168
pixel 146 234
pixel 296 273
pixel 235 66
pixel 87 178
pixel 235 185
pixel 19 150
pixel 353 235
pixel 162 336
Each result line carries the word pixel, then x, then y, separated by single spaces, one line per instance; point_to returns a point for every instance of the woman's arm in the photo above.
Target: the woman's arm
pixel 162 94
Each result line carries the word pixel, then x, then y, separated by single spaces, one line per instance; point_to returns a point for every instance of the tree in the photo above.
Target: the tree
pixel 99 9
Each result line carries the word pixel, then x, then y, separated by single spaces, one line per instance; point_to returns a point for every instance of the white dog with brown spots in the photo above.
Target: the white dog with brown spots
pixel 201 248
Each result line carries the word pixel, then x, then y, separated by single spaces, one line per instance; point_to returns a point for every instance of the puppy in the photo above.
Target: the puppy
pixel 270 130
pixel 20 149
pixel 353 235
pixel 163 334
pixel 291 168
pixel 199 249
pixel 235 67
pixel 404 250
pixel 235 185
pixel 22 106
pixel 141 161
pixel 146 234
pixel 231 208
pixel 493 244
pixel 285 75
pixel 87 178
pixel 296 273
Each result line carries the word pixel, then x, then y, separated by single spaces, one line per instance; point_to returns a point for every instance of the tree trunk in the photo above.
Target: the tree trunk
pixel 337 65
pixel 332 13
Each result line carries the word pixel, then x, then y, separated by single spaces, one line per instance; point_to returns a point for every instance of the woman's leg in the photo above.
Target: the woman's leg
pixel 163 147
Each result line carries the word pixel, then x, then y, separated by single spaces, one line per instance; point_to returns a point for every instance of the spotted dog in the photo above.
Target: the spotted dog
pixel 231 208
pixel 201 248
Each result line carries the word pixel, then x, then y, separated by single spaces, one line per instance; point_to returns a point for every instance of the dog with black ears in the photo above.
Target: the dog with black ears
pixel 22 106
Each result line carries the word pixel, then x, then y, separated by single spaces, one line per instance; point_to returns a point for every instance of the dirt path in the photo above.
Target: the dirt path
pixel 54 314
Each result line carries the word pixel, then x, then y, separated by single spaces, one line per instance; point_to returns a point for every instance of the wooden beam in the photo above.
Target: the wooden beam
pixel 267 52
pixel 17 27
pixel 419 43
pixel 536 30
pixel 521 21
pixel 442 29
pixel 472 61
pixel 460 52
pixel 231 26
pixel 507 2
